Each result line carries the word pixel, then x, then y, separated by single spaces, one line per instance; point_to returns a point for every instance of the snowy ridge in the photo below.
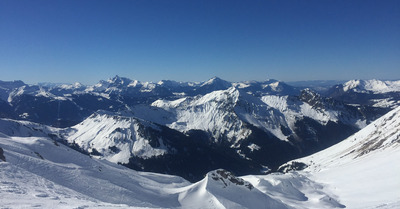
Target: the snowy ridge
pixel 223 190
pixel 115 137
pixel 26 129
pixel 375 86
pixel 382 134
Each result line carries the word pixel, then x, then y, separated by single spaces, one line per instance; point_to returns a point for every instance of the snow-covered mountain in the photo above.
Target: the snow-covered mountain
pixel 256 124
pixel 375 86
pixel 232 116
pixel 39 171
pixel 117 138
pixel 165 126
pixel 376 93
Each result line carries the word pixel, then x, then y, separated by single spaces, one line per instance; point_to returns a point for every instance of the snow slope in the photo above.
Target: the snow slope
pixel 39 172
pixel 223 190
pixel 362 170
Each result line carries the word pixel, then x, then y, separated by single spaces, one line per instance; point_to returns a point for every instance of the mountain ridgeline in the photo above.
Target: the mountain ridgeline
pixel 191 128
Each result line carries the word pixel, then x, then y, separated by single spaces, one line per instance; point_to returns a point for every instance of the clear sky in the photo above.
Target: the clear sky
pixel 194 40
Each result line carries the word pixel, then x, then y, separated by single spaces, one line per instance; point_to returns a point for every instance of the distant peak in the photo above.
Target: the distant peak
pixel 119 80
pixel 216 80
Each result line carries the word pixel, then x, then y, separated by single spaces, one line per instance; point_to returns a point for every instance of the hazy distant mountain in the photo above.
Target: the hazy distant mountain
pixel 317 85
pixel 375 93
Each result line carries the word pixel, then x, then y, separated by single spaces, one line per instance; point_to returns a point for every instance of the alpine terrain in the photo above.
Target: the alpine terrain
pixel 38 170
pixel 190 128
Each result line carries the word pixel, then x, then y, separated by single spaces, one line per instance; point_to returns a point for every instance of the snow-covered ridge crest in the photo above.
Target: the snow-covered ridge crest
pixel 375 86
pixel 19 128
pixel 224 190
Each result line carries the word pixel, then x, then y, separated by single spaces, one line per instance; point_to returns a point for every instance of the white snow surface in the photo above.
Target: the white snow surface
pixel 40 173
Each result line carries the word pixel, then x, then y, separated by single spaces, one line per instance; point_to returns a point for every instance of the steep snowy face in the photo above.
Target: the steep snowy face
pixel 360 170
pixel 254 111
pixel 312 105
pixel 213 113
pixel 117 138
pixel 382 134
pixel 225 115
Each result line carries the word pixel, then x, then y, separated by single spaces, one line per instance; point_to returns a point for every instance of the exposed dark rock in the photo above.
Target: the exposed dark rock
pixel 292 166
pixel 228 178
pixel 2 157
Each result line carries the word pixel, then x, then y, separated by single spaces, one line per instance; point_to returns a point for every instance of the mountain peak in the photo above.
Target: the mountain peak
pixel 120 80
pixel 216 80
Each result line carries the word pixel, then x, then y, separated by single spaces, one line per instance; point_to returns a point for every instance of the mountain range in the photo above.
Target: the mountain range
pixel 191 128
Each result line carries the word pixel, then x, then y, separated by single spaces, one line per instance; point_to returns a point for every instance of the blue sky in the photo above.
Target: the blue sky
pixel 148 40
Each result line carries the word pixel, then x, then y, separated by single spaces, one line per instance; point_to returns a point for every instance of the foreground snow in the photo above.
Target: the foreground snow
pixel 39 172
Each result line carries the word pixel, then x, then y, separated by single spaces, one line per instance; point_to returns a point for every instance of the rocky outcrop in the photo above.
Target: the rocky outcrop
pixel 2 157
